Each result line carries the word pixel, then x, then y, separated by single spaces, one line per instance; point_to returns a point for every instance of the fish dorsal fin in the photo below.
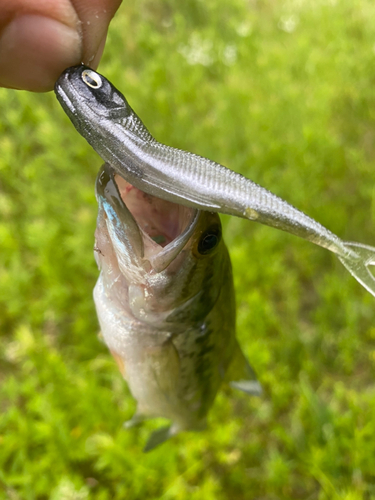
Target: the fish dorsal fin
pixel 241 376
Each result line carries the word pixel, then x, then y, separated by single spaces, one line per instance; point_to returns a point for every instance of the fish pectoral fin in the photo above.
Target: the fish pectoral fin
pixel 119 361
pixel 240 374
pixel 158 437
pixel 251 387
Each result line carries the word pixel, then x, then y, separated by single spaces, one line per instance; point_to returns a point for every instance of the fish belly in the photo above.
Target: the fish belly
pixel 170 375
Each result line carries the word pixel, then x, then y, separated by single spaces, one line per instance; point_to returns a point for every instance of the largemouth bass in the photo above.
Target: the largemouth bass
pixel 165 303
pixel 104 118
pixel 165 297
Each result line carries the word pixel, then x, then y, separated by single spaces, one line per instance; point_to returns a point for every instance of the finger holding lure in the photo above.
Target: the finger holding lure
pixel 104 118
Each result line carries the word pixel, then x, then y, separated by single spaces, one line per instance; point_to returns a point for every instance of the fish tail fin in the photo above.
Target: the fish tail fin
pixel 357 262
pixel 241 376
pixel 159 436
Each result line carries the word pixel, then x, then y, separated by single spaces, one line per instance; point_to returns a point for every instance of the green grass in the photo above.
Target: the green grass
pixel 285 94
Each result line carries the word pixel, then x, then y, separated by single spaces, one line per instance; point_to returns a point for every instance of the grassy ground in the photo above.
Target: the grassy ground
pixel 284 93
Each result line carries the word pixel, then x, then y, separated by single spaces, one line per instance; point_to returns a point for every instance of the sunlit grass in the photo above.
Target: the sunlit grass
pixel 283 93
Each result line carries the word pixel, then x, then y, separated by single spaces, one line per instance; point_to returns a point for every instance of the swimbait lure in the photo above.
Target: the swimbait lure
pixel 164 297
pixel 104 118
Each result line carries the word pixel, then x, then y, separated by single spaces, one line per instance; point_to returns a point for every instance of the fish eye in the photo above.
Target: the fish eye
pixel 209 240
pixel 91 79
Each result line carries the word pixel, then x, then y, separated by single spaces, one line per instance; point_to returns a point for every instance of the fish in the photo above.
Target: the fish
pixel 164 298
pixel 165 303
pixel 102 115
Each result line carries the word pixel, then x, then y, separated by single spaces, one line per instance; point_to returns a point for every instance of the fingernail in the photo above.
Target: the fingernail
pixel 93 62
pixel 34 50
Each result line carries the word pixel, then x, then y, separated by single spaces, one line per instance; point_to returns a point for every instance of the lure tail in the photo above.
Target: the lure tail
pixel 357 262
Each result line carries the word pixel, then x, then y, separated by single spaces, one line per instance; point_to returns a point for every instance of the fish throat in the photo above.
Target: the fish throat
pixel 159 220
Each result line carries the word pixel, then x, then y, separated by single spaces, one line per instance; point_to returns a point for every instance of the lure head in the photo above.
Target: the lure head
pixel 100 113
pixel 80 89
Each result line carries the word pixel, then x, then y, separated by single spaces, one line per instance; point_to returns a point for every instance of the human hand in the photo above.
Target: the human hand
pixel 40 38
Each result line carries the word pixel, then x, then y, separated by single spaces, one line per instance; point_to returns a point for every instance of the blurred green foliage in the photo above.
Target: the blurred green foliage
pixel 284 93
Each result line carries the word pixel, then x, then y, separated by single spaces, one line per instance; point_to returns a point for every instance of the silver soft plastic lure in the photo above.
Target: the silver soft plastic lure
pixel 104 118
pixel 165 297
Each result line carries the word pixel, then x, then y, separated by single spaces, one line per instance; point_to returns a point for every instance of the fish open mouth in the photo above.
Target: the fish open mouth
pixel 163 221
pixel 154 230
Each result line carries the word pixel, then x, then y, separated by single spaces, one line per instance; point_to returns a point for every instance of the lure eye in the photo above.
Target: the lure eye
pixel 91 79
pixel 209 240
